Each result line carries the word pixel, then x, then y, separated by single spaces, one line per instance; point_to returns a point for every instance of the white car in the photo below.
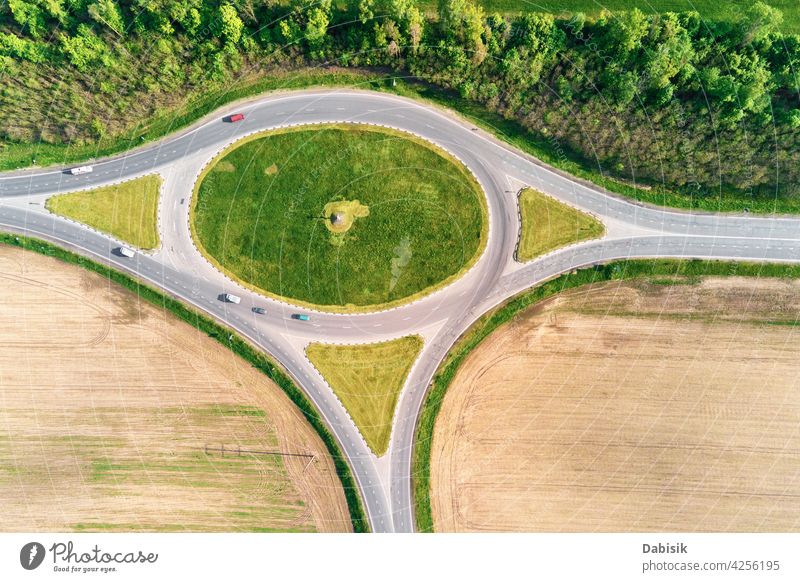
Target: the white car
pixel 80 170
pixel 126 252
pixel 232 298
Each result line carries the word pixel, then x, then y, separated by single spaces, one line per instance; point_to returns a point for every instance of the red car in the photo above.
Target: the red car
pixel 236 117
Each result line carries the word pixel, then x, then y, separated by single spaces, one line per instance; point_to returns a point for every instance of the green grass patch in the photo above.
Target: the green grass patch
pixel 368 379
pixel 548 224
pixel 655 271
pixel 127 211
pixel 426 225
pixel 227 338
pixel 232 410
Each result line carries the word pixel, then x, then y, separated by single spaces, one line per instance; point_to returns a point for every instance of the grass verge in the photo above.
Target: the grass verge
pixel 368 379
pixel 548 224
pixel 127 211
pixel 224 336
pixel 425 219
pixel 628 269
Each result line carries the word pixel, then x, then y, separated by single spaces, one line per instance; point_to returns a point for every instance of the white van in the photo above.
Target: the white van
pixel 81 170
pixel 232 298
pixel 126 252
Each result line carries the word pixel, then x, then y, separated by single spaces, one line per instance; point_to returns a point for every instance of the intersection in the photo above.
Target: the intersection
pixel 177 267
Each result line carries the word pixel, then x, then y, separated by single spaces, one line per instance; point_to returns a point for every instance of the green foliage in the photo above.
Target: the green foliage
pixel 230 25
pixel 794 118
pixel 32 16
pixel 760 21
pixel 106 12
pixel 85 50
pixel 317 26
pixel 21 48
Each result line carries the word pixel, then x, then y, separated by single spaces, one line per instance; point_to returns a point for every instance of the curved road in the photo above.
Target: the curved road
pixel 179 269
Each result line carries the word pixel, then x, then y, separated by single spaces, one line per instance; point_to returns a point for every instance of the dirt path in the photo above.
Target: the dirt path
pixel 107 405
pixel 629 407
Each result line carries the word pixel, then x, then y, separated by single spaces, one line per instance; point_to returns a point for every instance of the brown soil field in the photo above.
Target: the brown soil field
pixel 108 405
pixel 635 406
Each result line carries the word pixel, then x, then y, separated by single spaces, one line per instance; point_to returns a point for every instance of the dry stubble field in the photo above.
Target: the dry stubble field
pixel 629 407
pixel 107 405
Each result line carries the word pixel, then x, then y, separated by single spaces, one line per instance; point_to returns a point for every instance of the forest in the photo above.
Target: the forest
pixel 668 100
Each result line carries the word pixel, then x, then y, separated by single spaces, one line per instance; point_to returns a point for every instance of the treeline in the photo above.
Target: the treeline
pixel 667 99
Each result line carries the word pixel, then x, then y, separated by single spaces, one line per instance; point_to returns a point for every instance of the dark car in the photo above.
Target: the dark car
pixel 259 310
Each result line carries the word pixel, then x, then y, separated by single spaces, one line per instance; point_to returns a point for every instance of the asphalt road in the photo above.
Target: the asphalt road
pixel 177 267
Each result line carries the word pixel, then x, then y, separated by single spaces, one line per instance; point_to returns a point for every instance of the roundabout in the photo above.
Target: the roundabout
pixel 339 218
pixel 439 318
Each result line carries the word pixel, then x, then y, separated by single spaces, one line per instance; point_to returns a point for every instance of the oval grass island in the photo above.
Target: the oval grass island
pixel 339 217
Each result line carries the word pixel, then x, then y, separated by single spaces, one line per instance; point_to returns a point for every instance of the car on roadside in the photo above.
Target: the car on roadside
pixel 126 252
pixel 235 117
pixel 300 316
pixel 80 170
pixel 259 310
pixel 231 298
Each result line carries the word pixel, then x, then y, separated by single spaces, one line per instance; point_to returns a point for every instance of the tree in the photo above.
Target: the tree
pixel 317 25
pixel 743 88
pixel 793 118
pixel 108 13
pixel 365 13
pixel 29 16
pixel 290 31
pixel 184 12
pixel 84 50
pixel 623 33
pixel 21 48
pixel 451 13
pixel 230 25
pixel 464 22
pixel 668 53
pixel 784 62
pixel 619 85
pixel 406 16
pixel 759 21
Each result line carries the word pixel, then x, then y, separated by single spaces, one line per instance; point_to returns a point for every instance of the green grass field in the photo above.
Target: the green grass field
pixel 725 11
pixel 548 224
pixel 368 379
pixel 127 211
pixel 259 214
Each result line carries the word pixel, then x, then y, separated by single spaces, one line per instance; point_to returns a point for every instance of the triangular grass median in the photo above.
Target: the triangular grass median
pixel 368 379
pixel 127 211
pixel 548 224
